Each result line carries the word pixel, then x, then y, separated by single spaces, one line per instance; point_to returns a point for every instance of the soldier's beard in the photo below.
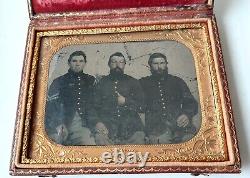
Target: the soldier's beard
pixel 116 72
pixel 160 73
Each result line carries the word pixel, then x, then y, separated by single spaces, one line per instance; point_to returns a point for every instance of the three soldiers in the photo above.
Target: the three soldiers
pixel 109 112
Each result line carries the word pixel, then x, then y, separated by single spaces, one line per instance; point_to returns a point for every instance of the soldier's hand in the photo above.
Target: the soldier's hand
pixel 62 132
pixel 153 139
pixel 120 99
pixel 182 121
pixel 101 129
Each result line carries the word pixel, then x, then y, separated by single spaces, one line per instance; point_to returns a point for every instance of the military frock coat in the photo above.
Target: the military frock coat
pixel 121 121
pixel 67 95
pixel 166 99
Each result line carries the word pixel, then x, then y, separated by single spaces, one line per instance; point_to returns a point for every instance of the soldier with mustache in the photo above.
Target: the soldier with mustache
pixel 117 101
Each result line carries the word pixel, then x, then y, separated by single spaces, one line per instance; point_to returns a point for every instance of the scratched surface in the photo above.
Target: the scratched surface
pixel 180 61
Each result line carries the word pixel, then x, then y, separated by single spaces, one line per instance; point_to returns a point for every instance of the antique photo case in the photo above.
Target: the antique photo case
pixel 126 93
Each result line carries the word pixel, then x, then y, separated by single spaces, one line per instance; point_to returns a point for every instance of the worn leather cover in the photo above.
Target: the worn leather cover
pixel 57 6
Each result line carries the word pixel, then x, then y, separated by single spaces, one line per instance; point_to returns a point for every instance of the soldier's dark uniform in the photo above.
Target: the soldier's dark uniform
pixel 166 99
pixel 121 121
pixel 68 94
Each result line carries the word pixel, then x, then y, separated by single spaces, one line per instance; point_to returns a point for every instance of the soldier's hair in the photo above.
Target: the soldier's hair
pixel 156 55
pixel 77 53
pixel 116 54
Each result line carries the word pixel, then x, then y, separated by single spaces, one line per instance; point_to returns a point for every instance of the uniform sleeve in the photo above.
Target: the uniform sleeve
pixel 54 108
pixel 53 92
pixel 143 85
pixel 189 104
pixel 135 99
pixel 95 106
pixel 90 108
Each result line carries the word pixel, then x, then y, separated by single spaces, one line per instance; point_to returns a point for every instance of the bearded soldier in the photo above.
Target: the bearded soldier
pixel 169 105
pixel 117 101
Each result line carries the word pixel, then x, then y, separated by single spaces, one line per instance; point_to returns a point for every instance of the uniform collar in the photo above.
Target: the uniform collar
pixel 159 77
pixel 75 74
pixel 117 77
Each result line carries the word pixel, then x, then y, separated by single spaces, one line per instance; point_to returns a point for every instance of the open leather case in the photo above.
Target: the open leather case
pixel 184 31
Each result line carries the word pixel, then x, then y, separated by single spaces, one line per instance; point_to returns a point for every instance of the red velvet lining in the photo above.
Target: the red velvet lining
pixel 55 6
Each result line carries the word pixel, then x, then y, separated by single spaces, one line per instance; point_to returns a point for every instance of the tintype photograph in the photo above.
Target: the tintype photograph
pixel 126 93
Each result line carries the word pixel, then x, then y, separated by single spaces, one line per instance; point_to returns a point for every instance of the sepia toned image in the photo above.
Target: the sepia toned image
pixel 127 93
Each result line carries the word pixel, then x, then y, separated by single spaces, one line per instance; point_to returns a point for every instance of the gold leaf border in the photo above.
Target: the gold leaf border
pixel 35 162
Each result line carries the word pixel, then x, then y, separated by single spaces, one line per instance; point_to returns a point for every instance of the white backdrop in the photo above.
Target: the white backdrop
pixel 233 21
